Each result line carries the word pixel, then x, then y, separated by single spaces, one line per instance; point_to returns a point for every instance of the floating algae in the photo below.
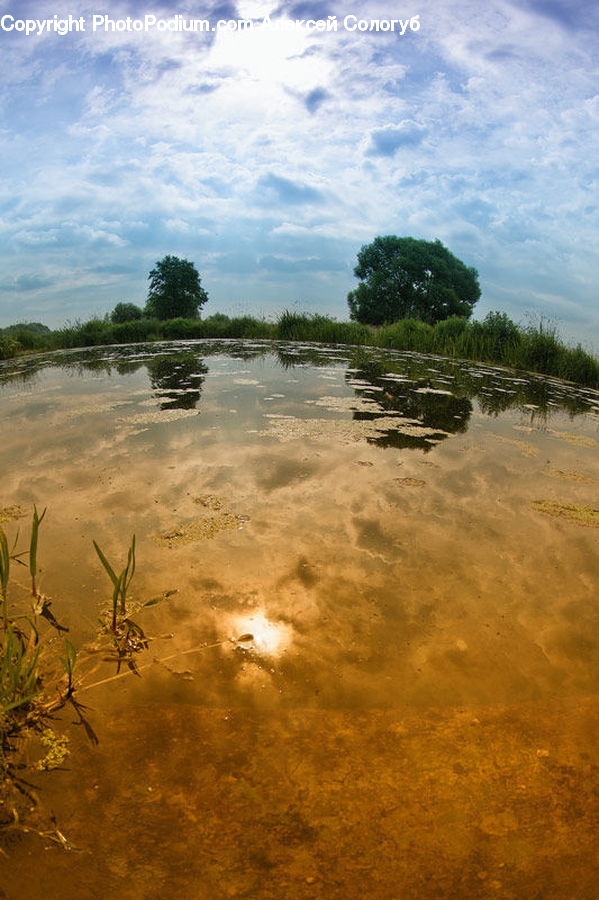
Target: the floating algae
pixel 159 416
pixel 410 482
pixel 573 512
pixel 286 429
pixel 10 513
pixel 88 409
pixel 579 440
pixel 210 501
pixel 202 529
pixel 350 404
pixel 570 475
pixel 57 750
pixel 526 449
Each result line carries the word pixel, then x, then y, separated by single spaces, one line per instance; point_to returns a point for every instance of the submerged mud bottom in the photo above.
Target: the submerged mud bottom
pixel 201 803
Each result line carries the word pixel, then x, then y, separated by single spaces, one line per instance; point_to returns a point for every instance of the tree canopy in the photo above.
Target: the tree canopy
pixel 408 278
pixel 126 312
pixel 175 290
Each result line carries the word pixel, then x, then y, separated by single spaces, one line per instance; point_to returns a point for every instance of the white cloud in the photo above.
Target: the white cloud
pixel 476 129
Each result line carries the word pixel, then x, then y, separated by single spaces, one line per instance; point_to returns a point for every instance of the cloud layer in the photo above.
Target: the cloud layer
pixel 270 157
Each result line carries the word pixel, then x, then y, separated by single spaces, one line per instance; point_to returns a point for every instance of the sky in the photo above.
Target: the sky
pixel 268 156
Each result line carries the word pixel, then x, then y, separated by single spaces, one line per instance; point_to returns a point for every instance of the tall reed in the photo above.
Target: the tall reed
pixel 120 582
pixel 4 574
pixel 19 678
pixel 35 525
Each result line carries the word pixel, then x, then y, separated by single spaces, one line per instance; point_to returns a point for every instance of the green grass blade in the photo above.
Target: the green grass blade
pixel 20 702
pixel 4 573
pixel 154 600
pixel 131 561
pixel 106 565
pixel 71 653
pixel 4 561
pixel 122 591
pixel 35 524
pixel 34 630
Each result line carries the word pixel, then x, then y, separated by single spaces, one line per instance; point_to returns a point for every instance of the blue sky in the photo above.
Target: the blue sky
pixel 269 157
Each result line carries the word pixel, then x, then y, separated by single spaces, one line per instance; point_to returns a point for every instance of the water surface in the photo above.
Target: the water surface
pixel 408 546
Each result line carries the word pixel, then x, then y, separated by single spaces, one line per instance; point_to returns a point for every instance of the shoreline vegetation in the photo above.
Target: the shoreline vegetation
pixel 36 681
pixel 496 339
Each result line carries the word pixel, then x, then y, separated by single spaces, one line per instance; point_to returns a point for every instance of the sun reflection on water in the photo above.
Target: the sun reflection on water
pixel 255 631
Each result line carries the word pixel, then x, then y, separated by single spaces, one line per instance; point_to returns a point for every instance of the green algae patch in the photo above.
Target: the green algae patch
pixel 57 750
pixel 572 512
pixel 410 482
pixel 201 529
pixel 10 513
pixel 570 475
pixel 209 501
pixel 92 409
pixel 578 440
pixel 524 448
pixel 347 404
pixel 290 428
pixel 156 417
pixel 216 519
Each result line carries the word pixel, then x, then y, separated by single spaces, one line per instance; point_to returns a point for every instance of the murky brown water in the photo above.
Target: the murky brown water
pixel 411 545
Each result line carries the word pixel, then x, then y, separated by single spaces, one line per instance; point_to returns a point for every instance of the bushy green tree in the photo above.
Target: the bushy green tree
pixel 408 278
pixel 126 312
pixel 175 290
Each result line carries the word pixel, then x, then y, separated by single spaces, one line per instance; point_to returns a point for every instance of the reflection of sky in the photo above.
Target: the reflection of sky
pixel 279 381
pixel 353 580
pixel 266 637
pixel 269 159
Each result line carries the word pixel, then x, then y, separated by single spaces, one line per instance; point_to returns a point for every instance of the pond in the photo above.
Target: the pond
pixel 379 674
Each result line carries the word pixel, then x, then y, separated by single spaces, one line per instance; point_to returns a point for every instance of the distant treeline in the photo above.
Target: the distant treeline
pixel 495 340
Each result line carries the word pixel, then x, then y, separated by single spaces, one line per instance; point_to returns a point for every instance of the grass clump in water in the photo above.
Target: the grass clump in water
pixel 19 676
pixel 25 657
pixel 32 685
pixel 120 582
pixel 127 636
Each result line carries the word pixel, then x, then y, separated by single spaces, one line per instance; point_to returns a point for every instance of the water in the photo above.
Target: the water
pixel 412 710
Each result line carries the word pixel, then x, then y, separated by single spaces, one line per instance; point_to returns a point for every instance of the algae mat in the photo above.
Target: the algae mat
pixel 571 512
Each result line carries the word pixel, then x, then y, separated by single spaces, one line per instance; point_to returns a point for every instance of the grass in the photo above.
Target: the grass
pixel 19 675
pixel 534 348
pixel 20 637
pixel 35 524
pixel 32 686
pixel 20 678
pixel 4 575
pixel 36 678
pixel 127 636
pixel 120 582
pixel 9 347
pixel 68 661
pixel 321 329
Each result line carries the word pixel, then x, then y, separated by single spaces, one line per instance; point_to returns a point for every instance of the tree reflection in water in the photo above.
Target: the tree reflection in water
pixel 177 379
pixel 418 399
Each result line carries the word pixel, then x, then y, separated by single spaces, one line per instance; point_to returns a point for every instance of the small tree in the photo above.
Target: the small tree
pixel 175 290
pixel 126 312
pixel 407 278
